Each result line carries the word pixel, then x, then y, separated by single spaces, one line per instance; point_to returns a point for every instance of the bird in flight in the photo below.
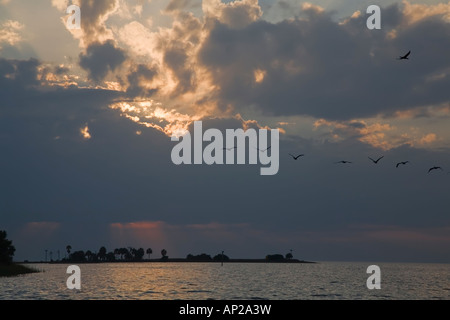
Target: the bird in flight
pixel 229 149
pixel 405 57
pixel 343 161
pixel 434 168
pixel 296 157
pixel 403 163
pixel 264 150
pixel 376 161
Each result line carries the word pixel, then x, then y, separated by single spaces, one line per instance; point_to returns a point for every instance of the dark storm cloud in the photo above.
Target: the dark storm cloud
pixel 316 66
pixel 51 175
pixel 16 74
pixel 137 80
pixel 93 16
pixel 50 172
pixel 176 5
pixel 101 58
pixel 177 60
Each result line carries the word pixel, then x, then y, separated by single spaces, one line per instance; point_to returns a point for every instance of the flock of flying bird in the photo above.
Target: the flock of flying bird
pixel 296 157
pixel 404 57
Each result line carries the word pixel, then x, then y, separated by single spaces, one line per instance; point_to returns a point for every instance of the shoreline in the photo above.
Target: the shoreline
pixel 15 269
pixel 173 260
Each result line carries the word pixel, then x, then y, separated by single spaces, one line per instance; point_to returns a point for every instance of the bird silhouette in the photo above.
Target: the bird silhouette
pixel 343 161
pixel 376 161
pixel 296 157
pixel 264 150
pixel 403 163
pixel 434 168
pixel 405 57
pixel 229 149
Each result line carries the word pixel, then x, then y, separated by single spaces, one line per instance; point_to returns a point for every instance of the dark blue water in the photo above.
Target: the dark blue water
pixel 199 281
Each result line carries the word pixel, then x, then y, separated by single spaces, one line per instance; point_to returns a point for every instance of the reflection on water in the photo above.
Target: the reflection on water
pixel 238 281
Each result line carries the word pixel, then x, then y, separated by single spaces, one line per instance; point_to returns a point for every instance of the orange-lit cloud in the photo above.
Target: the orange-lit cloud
pixel 415 12
pixel 404 234
pixel 309 6
pixel 429 138
pixel 236 14
pixel 42 230
pixel 379 135
pixel 85 133
pixel 93 21
pixel 143 233
pixel 395 235
pixel 10 32
pixel 259 75
pixel 187 237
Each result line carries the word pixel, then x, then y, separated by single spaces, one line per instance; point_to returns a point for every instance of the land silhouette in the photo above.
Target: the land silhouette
pixel 7 267
pixel 130 254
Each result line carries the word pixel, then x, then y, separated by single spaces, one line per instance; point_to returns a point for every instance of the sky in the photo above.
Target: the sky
pixel 87 116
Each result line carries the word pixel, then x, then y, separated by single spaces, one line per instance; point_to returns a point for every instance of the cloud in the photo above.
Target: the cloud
pixel 232 61
pixel 141 81
pixel 93 22
pixel 180 5
pixel 317 67
pixel 235 14
pixel 101 59
pixel 17 74
pixel 10 32
pixel 61 5
pixel 309 66
pixel 138 39
pixel 307 69
pixel 407 235
pixel 85 133
pixel 376 134
pixel 415 12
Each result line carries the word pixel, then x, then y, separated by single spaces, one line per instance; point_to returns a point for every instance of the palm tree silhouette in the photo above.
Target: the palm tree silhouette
pixel 102 253
pixel 88 255
pixel 149 252
pixel 68 248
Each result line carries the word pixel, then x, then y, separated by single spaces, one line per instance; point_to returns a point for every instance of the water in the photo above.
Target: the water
pixel 233 281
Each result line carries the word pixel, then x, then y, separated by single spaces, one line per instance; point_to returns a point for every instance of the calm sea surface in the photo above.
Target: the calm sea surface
pixel 237 281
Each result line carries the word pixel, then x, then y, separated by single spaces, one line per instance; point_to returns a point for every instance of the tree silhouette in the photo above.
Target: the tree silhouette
pixel 110 257
pixel 289 255
pixel 164 255
pixel 132 252
pixel 139 254
pixel 68 248
pixel 6 248
pixel 221 257
pixel 149 252
pixel 102 254
pixel 125 254
pixel 200 257
pixel 78 256
pixel 88 255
